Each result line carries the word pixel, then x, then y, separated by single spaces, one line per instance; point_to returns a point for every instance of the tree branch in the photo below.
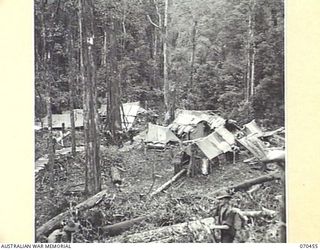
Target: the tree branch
pixel 157 26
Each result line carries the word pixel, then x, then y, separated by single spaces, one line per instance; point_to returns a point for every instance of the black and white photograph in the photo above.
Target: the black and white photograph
pixel 159 121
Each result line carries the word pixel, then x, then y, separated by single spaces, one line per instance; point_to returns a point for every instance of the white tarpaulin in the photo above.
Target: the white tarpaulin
pixel 159 134
pixel 128 113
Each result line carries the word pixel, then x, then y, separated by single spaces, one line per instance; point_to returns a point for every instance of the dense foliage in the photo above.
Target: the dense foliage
pixel 209 42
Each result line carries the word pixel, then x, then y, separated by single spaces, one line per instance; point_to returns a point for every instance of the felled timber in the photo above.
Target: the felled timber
pixel 262 213
pixel 248 183
pixel 121 227
pixel 168 183
pixel 243 214
pixel 204 226
pixel 118 228
pixel 52 224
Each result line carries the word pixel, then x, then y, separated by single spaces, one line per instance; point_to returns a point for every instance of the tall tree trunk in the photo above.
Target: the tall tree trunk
pixel 168 88
pixel 247 92
pixel 283 229
pixel 165 56
pixel 114 88
pixel 252 71
pixel 105 50
pixel 155 61
pixel 250 53
pixel 157 44
pixel 72 64
pixel 193 42
pixel 88 73
pixel 46 57
pixel 253 49
pixel 51 143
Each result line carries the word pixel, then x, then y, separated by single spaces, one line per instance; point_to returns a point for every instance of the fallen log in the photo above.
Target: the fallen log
pixel 115 175
pixel 168 183
pixel 121 227
pixel 262 213
pixel 203 227
pixel 254 214
pixel 52 224
pixel 247 184
pixel 118 228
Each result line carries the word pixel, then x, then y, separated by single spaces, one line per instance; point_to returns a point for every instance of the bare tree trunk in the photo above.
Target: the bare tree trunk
pixel 105 50
pixel 51 149
pixel 250 53
pixel 193 41
pixel 283 229
pixel 168 90
pixel 46 57
pixel 247 87
pixel 252 71
pixel 91 123
pixel 253 49
pixel 190 172
pixel 114 92
pixel 155 56
pixel 72 64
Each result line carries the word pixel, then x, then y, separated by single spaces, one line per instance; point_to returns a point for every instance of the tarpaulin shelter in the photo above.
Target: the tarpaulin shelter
pixel 196 123
pixel 259 149
pixel 159 134
pixel 128 112
pixel 215 144
pixel 252 128
pixel 254 145
pixel 64 118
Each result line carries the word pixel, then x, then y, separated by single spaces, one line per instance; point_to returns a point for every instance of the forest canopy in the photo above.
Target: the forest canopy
pixel 222 55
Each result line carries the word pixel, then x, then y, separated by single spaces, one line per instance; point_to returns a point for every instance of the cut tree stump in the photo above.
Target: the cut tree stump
pixel 115 175
pixel 52 224
pixel 168 183
pixel 203 226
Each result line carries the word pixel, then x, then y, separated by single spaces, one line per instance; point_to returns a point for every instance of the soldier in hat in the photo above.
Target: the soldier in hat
pixel 228 216
pixel 64 234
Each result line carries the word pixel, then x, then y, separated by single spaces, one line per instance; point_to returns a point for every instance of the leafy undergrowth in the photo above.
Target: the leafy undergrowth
pixel 186 200
pixel 41 141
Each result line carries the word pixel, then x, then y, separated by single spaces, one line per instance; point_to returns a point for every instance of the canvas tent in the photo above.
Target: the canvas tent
pixel 260 151
pixel 129 112
pixel 195 122
pixel 215 144
pixel 64 118
pixel 159 134
pixel 252 128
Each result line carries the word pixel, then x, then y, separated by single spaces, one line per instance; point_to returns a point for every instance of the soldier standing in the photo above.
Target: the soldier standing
pixel 228 216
